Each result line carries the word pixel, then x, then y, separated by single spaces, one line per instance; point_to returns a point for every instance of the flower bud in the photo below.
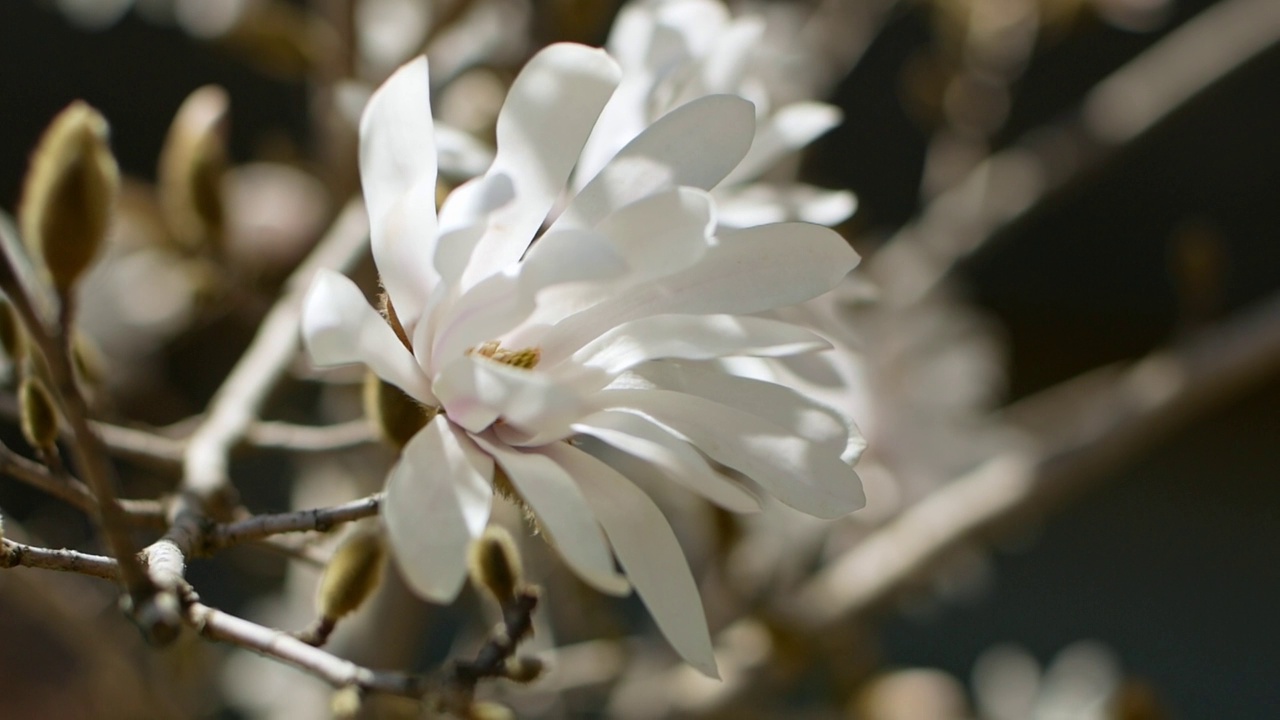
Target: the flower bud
pixel 346 702
pixel 192 164
pixel 39 417
pixel 352 574
pixel 69 193
pixel 12 340
pixel 494 563
pixel 396 417
pixel 488 710
pixel 524 669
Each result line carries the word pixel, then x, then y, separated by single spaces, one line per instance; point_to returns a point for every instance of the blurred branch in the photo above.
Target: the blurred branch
pixel 318 520
pixel 16 554
pixel 206 490
pixel 308 438
pixel 1129 102
pixel 1074 434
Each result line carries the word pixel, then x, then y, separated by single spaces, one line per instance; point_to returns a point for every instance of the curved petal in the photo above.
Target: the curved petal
pixel 726 64
pixel 650 444
pixel 548 114
pixel 760 203
pixel 781 405
pixel 649 553
pixel 476 391
pixel 461 155
pixel 789 129
pixel 749 271
pixel 340 328
pixel 797 472
pixel 501 301
pixel 398 175
pixel 438 498
pixel 563 513
pixel 696 145
pixel 694 337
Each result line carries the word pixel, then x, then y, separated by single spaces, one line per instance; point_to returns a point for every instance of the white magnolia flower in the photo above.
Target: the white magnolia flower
pixel 675 51
pixel 521 345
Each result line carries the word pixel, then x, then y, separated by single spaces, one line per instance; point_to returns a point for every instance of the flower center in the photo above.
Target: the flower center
pixel 524 358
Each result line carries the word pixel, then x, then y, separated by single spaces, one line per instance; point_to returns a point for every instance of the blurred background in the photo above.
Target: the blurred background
pixel 1110 227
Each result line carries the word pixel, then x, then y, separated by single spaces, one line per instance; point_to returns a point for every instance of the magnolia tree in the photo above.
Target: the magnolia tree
pixel 608 344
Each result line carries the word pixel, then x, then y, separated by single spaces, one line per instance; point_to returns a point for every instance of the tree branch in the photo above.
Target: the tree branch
pixel 318 519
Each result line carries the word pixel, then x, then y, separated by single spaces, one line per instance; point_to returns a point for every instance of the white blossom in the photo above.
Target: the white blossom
pixel 522 339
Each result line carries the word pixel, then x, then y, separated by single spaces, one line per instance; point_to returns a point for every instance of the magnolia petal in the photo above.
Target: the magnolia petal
pixel 438 498
pixel 694 337
pixel 781 405
pixel 461 154
pixel 695 145
pixel 790 128
pixel 340 328
pixel 501 301
pixel 548 114
pixel 761 203
pixel 398 175
pixel 648 551
pixel 750 270
pixel 563 513
pixel 652 445
pixel 476 391
pixel 797 472
pixel 726 64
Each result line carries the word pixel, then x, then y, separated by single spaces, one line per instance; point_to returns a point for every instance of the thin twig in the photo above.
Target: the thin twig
pixel 318 519
pixel 16 554
pixel 222 627
pixel 206 488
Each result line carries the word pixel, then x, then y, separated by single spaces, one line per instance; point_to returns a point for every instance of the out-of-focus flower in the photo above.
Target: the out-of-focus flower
pixel 1081 683
pixel 519 345
pixel 675 51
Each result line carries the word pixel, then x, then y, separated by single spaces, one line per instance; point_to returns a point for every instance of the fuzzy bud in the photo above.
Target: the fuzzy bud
pixel 12 340
pixel 494 563
pixel 39 417
pixel 396 417
pixel 488 710
pixel 346 702
pixel 524 669
pixel 69 194
pixel 192 163
pixel 352 575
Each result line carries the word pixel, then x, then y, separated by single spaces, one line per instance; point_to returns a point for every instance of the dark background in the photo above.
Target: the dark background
pixel 1173 562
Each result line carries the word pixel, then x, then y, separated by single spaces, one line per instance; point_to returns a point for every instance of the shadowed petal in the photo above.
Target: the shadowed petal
pixel 563 512
pixel 438 499
pixel 790 468
pixel 340 328
pixel 548 114
pixel 648 551
pixel 398 175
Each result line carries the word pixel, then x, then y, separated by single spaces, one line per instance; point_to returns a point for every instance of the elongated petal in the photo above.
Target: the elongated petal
pixel 724 67
pixel 694 337
pixel 649 553
pixel 791 128
pixel 340 328
pixel 792 469
pixel 695 145
pixel 438 499
pixel 749 271
pixel 795 413
pixel 655 236
pixel 475 391
pixel 548 114
pixel 760 203
pixel 654 445
pixel 398 175
pixel 563 512
pixel 501 301
pixel 461 155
